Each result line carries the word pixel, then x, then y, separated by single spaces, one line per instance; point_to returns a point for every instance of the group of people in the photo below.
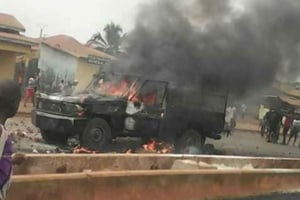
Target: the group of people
pixel 272 123
pixel 68 87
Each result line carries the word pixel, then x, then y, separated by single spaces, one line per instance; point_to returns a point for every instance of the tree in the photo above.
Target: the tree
pixel 112 41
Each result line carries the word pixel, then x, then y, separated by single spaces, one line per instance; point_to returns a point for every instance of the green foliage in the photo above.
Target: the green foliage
pixel 112 40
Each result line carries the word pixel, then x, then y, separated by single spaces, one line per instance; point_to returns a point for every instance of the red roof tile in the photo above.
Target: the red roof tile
pixel 19 39
pixel 72 46
pixel 10 22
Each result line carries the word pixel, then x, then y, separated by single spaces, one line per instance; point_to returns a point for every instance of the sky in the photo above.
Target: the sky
pixel 77 18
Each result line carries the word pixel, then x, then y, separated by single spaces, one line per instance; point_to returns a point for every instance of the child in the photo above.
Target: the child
pixel 10 95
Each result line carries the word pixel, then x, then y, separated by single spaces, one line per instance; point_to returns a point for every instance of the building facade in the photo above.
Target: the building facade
pixel 12 45
pixel 62 58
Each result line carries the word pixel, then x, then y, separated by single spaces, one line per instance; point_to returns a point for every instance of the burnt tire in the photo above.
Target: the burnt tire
pixel 190 142
pixel 97 134
pixel 52 137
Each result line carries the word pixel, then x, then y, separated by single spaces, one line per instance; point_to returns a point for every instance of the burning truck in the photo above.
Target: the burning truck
pixel 115 105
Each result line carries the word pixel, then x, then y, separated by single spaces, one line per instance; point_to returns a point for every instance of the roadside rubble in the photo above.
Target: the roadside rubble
pixel 27 139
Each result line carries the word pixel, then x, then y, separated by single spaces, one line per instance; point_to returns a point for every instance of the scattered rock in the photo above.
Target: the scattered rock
pixel 37 139
pixel 29 130
pixel 57 150
pixel 20 133
pixel 73 142
pixel 35 151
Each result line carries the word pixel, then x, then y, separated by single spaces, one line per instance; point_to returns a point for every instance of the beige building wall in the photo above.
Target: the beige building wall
pixel 7 64
pixel 84 73
pixel 8 55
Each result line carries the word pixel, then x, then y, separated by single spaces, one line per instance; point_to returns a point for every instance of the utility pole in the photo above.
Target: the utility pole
pixel 41 32
pixel 42 27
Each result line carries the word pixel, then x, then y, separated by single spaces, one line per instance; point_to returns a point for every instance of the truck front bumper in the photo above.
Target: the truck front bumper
pixel 58 123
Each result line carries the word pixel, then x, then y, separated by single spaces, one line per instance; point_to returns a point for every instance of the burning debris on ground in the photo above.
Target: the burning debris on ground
pixel 156 146
pixel 153 146
pixel 80 149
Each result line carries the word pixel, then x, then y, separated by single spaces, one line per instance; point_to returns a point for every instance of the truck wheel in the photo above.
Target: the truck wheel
pixel 190 142
pixel 97 134
pixel 52 137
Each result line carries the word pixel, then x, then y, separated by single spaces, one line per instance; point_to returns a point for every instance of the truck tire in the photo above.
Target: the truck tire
pixel 51 137
pixel 190 142
pixel 97 134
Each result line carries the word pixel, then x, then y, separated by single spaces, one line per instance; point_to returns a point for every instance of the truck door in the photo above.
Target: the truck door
pixel 146 109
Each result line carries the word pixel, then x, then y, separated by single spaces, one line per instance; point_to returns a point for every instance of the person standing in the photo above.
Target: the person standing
pixel 243 109
pixel 29 91
pixel 275 121
pixel 265 126
pixel 10 95
pixel 233 119
pixel 286 126
pixel 228 120
pixel 294 133
pixel 62 87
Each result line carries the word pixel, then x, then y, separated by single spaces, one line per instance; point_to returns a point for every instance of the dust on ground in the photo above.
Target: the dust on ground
pixel 27 139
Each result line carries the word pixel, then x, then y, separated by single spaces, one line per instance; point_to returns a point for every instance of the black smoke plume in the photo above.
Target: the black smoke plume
pixel 243 46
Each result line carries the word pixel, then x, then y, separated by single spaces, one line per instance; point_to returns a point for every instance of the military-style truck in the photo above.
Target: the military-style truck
pixel 116 105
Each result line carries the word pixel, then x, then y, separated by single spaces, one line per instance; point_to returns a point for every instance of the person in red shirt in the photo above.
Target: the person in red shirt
pixel 286 126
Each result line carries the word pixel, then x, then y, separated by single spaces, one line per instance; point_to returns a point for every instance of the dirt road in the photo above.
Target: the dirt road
pixel 244 143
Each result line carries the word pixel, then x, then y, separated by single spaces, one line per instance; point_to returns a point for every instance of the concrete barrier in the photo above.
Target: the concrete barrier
pixel 148 176
pixel 157 184
pixel 70 163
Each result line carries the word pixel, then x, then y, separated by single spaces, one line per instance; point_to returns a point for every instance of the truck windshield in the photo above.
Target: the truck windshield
pixel 113 85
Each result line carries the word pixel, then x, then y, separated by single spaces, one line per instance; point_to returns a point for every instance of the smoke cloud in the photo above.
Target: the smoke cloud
pixel 241 46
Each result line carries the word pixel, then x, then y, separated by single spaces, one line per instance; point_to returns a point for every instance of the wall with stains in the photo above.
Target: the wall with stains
pixel 55 66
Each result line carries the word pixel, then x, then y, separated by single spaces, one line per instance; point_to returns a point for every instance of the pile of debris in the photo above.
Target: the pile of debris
pixel 153 146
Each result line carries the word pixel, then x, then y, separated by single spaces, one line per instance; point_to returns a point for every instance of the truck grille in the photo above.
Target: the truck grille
pixel 50 106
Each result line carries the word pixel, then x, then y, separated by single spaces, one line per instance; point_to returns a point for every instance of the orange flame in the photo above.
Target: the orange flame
pixel 129 151
pixel 125 89
pixel 80 149
pixel 158 147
